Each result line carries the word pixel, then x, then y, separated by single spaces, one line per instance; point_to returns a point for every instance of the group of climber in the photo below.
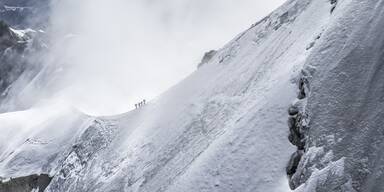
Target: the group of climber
pixel 142 103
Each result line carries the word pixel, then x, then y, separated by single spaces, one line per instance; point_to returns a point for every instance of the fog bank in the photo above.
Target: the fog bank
pixel 118 52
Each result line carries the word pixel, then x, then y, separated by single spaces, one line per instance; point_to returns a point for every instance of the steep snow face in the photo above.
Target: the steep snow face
pixel 344 150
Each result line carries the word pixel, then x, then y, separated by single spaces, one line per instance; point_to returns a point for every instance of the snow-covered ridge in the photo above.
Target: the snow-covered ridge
pixel 224 128
pixel 22 33
pixel 215 131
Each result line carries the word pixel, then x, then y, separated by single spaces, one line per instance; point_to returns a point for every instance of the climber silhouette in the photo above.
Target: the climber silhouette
pixel 140 104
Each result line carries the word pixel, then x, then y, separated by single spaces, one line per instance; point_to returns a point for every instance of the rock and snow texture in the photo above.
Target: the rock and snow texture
pixel 20 62
pixel 224 128
pixel 345 106
pixel 207 57
pixel 23 43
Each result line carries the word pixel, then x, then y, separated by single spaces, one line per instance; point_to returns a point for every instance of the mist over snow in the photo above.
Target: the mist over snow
pixel 293 103
pixel 118 52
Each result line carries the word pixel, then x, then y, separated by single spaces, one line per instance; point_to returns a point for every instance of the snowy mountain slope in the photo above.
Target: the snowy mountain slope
pixel 224 128
pixel 219 128
pixel 31 140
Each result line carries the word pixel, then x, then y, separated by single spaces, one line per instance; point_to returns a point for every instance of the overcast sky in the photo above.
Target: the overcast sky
pixel 121 51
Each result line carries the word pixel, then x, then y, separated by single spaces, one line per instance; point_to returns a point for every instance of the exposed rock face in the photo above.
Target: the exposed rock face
pixel 294 162
pixel 10 39
pixel 207 57
pixel 20 55
pixel 20 49
pixel 30 183
pixel 334 4
pixel 298 128
pixel 11 63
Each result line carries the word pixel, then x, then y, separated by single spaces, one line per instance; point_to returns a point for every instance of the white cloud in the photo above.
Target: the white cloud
pixel 126 50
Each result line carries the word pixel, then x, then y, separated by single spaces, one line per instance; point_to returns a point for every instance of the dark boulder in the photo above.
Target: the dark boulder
pixel 293 110
pixel 294 162
pixel 207 57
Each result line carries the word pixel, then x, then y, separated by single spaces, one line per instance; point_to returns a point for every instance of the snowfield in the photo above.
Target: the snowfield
pixel 31 139
pixel 224 128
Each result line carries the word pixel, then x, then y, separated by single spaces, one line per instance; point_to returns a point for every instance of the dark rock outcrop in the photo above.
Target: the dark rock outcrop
pixel 294 162
pixel 26 184
pixel 334 4
pixel 207 57
pixel 11 62
pixel 297 123
pixel 21 53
